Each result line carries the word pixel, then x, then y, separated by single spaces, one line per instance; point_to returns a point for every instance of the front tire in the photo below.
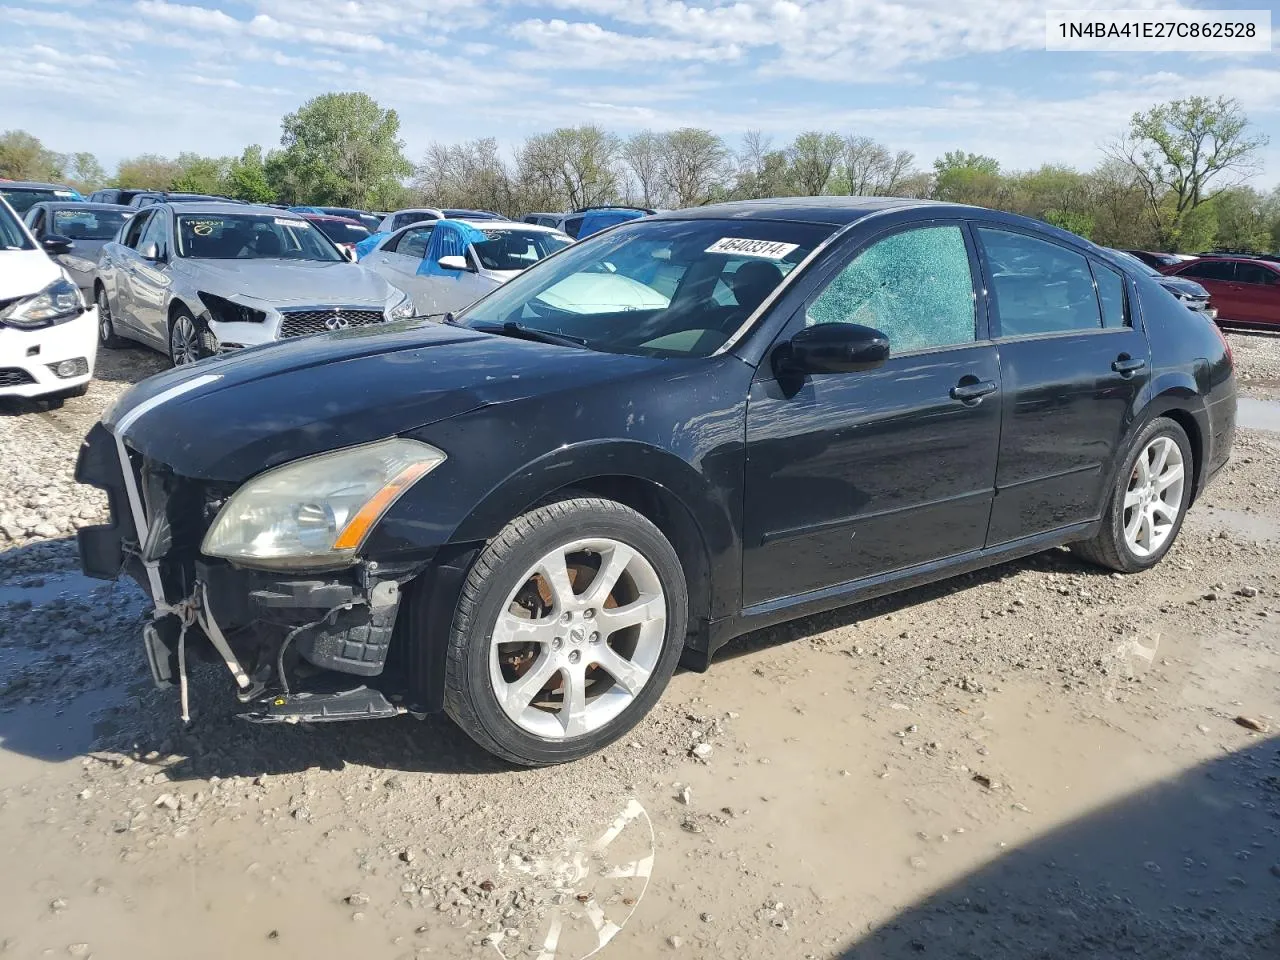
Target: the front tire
pixel 184 338
pixel 1148 503
pixel 567 630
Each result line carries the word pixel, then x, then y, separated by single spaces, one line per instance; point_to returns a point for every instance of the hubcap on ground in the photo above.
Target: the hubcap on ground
pixel 186 341
pixel 1154 496
pixel 578 638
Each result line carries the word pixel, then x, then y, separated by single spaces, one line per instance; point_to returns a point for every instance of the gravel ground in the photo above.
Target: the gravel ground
pixel 1040 760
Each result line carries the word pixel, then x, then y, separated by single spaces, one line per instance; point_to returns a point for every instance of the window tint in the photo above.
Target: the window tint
pixel 1211 270
pixel 413 243
pixel 1111 293
pixel 156 233
pixel 1254 273
pixel 914 286
pixel 572 226
pixel 1040 287
pixel 134 232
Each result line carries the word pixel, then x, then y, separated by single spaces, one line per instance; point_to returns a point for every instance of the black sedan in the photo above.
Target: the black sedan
pixel 678 430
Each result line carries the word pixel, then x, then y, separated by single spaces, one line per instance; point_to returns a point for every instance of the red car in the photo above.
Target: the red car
pixel 346 233
pixel 1245 290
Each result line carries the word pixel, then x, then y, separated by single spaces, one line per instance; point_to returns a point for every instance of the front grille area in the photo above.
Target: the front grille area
pixel 15 377
pixel 300 323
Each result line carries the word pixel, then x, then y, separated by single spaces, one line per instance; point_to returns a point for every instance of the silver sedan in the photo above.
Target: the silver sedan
pixel 445 265
pixel 89 227
pixel 195 279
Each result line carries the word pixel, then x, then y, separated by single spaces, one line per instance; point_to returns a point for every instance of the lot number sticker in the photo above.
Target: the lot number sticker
pixel 767 249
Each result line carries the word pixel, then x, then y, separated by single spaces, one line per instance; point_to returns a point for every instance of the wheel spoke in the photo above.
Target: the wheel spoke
pixel 573 708
pixel 629 674
pixel 613 619
pixel 1135 522
pixel 513 629
pixel 1160 507
pixel 1162 455
pixel 553 570
pixel 606 577
pixel 1144 532
pixel 1132 498
pixel 1144 470
pixel 1167 479
pixel 517 696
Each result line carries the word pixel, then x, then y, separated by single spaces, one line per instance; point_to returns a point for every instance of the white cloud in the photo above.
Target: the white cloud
pixel 591 44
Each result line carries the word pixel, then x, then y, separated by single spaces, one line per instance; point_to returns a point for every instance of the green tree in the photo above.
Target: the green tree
pixel 199 174
pixel 340 149
pixel 961 177
pixel 694 164
pixel 1179 151
pixel 577 166
pixel 146 172
pixel 84 171
pixel 813 156
pixel 24 157
pixel 1243 220
pixel 246 177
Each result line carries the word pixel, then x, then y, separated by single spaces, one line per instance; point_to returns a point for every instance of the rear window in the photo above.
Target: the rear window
pixel 88 224
pixel 23 199
pixel 340 232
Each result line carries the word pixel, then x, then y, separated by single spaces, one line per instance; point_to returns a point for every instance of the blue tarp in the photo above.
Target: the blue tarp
pixel 450 238
pixel 365 246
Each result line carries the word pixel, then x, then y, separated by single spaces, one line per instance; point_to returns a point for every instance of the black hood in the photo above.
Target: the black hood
pixel 1188 288
pixel 272 404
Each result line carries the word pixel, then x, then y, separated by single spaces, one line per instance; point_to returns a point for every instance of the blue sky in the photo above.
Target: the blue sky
pixel 120 77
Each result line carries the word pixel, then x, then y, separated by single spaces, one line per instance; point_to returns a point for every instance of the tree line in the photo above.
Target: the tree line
pixel 1175 179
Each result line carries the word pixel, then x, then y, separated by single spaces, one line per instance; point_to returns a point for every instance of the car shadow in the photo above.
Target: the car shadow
pixel 1058 560
pixel 1187 868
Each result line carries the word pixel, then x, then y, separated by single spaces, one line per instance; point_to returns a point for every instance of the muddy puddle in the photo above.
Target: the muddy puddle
pixel 1255 414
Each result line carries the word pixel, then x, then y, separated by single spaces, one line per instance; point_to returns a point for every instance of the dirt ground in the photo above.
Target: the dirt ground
pixel 1042 760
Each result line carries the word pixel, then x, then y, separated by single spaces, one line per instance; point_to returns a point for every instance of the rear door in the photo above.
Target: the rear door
pixel 151 278
pixel 1073 362
pixel 851 475
pixel 1258 288
pixel 1219 278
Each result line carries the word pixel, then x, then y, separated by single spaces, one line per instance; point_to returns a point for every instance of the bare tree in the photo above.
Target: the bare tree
pixel 642 153
pixel 470 175
pixel 1179 150
pixel 865 162
pixel 695 163
pixel 813 158
pixel 580 164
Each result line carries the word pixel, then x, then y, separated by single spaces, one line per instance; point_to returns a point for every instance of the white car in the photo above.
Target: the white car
pixel 48 336
pixel 445 265
pixel 402 218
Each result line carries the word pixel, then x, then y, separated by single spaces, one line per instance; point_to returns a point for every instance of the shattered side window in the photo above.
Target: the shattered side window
pixel 913 286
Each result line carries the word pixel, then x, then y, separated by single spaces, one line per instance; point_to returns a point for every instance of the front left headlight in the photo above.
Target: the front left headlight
pixel 318 511
pixel 402 309
pixel 56 303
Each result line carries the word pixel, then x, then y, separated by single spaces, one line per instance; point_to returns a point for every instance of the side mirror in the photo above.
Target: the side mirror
pixel 835 348
pixel 55 244
pixel 149 251
pixel 454 262
pixel 349 253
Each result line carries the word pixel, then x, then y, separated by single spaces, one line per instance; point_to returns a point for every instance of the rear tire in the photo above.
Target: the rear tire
pixel 1148 502
pixel 590 673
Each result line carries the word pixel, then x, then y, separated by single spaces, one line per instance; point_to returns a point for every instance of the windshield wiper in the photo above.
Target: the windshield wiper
pixel 513 329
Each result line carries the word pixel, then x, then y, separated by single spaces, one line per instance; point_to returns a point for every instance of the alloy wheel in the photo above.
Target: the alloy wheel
pixel 105 328
pixel 184 341
pixel 578 638
pixel 1153 498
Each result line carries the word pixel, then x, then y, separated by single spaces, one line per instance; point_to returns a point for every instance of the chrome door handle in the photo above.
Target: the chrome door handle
pixel 1128 366
pixel 973 391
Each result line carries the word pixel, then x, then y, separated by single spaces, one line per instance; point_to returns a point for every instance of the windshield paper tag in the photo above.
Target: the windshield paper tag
pixel 768 249
pixel 280 221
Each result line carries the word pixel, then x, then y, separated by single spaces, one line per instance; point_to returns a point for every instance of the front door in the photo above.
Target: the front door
pixel 850 475
pixel 399 261
pixel 152 278
pixel 1072 366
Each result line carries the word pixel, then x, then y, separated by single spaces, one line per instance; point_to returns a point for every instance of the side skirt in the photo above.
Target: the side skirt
pixel 771 612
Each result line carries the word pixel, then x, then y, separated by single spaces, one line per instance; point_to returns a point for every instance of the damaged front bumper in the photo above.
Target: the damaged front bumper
pixel 300 646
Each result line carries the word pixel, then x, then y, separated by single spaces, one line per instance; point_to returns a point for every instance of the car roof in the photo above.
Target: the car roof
pixel 837 211
pixel 85 205
pixel 488 224
pixel 325 216
pixel 223 206
pixel 32 185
